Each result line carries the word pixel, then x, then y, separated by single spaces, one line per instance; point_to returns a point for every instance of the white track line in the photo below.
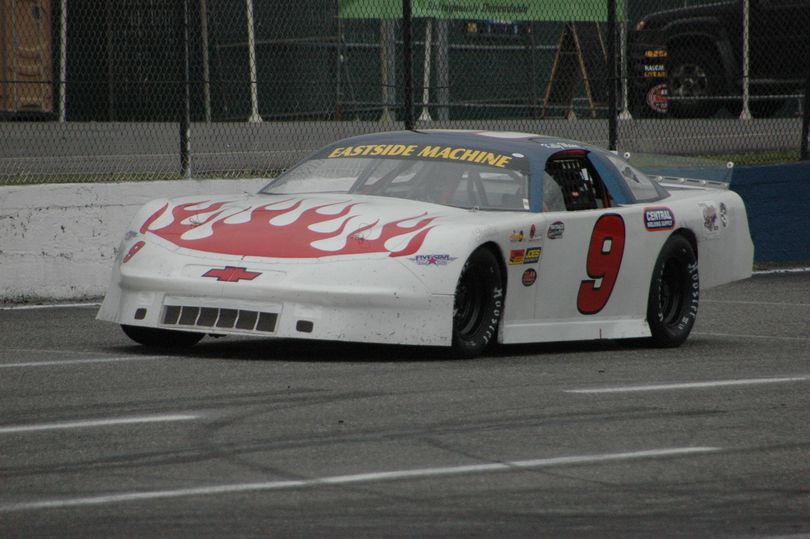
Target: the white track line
pixel 15 429
pixel 349 479
pixel 691 385
pixel 48 306
pixel 769 303
pixel 749 336
pixel 63 362
pixel 782 270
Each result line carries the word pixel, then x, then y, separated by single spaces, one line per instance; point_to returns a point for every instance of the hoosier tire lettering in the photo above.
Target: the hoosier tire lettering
pixel 478 304
pixel 674 293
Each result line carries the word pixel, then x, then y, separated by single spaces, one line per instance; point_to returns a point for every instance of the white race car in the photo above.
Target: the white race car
pixel 441 238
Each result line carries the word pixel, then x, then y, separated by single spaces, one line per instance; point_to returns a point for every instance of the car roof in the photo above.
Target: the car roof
pixel 501 141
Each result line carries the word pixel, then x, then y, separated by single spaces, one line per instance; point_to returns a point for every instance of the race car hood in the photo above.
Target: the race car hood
pixel 293 226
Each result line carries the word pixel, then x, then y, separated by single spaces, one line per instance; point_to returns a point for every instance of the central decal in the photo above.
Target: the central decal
pixel 285 229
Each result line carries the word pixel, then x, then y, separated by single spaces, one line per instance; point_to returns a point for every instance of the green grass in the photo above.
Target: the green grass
pixel 765 158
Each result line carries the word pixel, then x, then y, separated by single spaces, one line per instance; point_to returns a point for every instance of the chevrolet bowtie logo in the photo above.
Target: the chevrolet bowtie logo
pixel 232 274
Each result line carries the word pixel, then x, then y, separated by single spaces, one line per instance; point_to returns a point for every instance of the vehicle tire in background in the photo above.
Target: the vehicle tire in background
pixel 161 338
pixel 478 304
pixel 766 108
pixel 694 74
pixel 674 293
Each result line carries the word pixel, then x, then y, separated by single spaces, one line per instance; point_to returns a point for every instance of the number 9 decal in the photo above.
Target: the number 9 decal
pixel 604 260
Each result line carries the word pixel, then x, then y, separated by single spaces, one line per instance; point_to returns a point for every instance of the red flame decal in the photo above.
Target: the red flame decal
pixel 234 230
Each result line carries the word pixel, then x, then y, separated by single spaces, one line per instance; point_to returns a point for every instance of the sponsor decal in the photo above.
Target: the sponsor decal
pixel 288 228
pixel 231 274
pixel 560 146
pixel 657 71
pixel 658 219
pixel 723 214
pixel 710 218
pixel 516 236
pixel 424 151
pixel 658 98
pixel 433 260
pixel 532 255
pixel 529 277
pixel 533 232
pixel 516 256
pixel 655 53
pixel 556 230
pixel 133 251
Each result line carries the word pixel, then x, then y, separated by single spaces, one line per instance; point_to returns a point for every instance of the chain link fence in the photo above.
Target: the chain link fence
pixel 125 90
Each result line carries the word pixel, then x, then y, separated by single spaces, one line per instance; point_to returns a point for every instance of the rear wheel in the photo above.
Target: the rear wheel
pixel 161 338
pixel 674 293
pixel 478 304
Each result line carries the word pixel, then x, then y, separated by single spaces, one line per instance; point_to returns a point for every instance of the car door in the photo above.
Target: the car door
pixel 590 270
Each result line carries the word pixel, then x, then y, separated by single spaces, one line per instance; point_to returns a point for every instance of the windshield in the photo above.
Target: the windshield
pixel 452 183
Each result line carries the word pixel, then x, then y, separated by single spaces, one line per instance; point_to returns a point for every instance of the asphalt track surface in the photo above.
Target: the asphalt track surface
pixel 247 437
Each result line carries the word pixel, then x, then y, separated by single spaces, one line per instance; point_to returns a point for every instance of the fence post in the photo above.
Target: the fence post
pixel 185 108
pixel 611 52
pixel 805 154
pixel 407 63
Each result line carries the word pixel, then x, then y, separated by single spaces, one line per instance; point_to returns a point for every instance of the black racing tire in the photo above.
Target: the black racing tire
pixel 694 74
pixel 161 338
pixel 478 304
pixel 674 293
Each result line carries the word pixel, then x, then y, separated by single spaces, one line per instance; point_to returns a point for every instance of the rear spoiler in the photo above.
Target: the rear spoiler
pixel 674 182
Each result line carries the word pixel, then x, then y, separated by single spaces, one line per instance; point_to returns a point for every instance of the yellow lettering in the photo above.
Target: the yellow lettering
pixel 490 159
pixel 429 151
pixel 502 161
pixel 397 149
pixel 481 156
pixel 432 152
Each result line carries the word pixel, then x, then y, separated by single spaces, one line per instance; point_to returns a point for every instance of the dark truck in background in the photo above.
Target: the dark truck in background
pixel 688 62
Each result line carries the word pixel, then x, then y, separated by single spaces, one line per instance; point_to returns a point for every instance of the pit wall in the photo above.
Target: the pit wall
pixel 58 241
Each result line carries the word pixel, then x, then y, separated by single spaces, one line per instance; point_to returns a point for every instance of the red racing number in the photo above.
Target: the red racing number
pixel 604 259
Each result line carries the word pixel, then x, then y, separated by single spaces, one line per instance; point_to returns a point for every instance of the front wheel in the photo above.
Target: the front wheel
pixel 674 293
pixel 161 338
pixel 478 304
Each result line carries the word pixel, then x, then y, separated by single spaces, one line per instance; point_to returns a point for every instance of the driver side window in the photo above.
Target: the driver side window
pixel 576 186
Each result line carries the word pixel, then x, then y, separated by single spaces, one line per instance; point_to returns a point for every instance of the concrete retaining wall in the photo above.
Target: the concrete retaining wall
pixel 58 242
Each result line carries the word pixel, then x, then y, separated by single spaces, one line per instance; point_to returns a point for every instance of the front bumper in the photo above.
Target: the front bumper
pixel 373 301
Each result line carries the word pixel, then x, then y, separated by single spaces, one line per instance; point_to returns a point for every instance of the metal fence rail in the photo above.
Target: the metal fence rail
pixel 116 90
